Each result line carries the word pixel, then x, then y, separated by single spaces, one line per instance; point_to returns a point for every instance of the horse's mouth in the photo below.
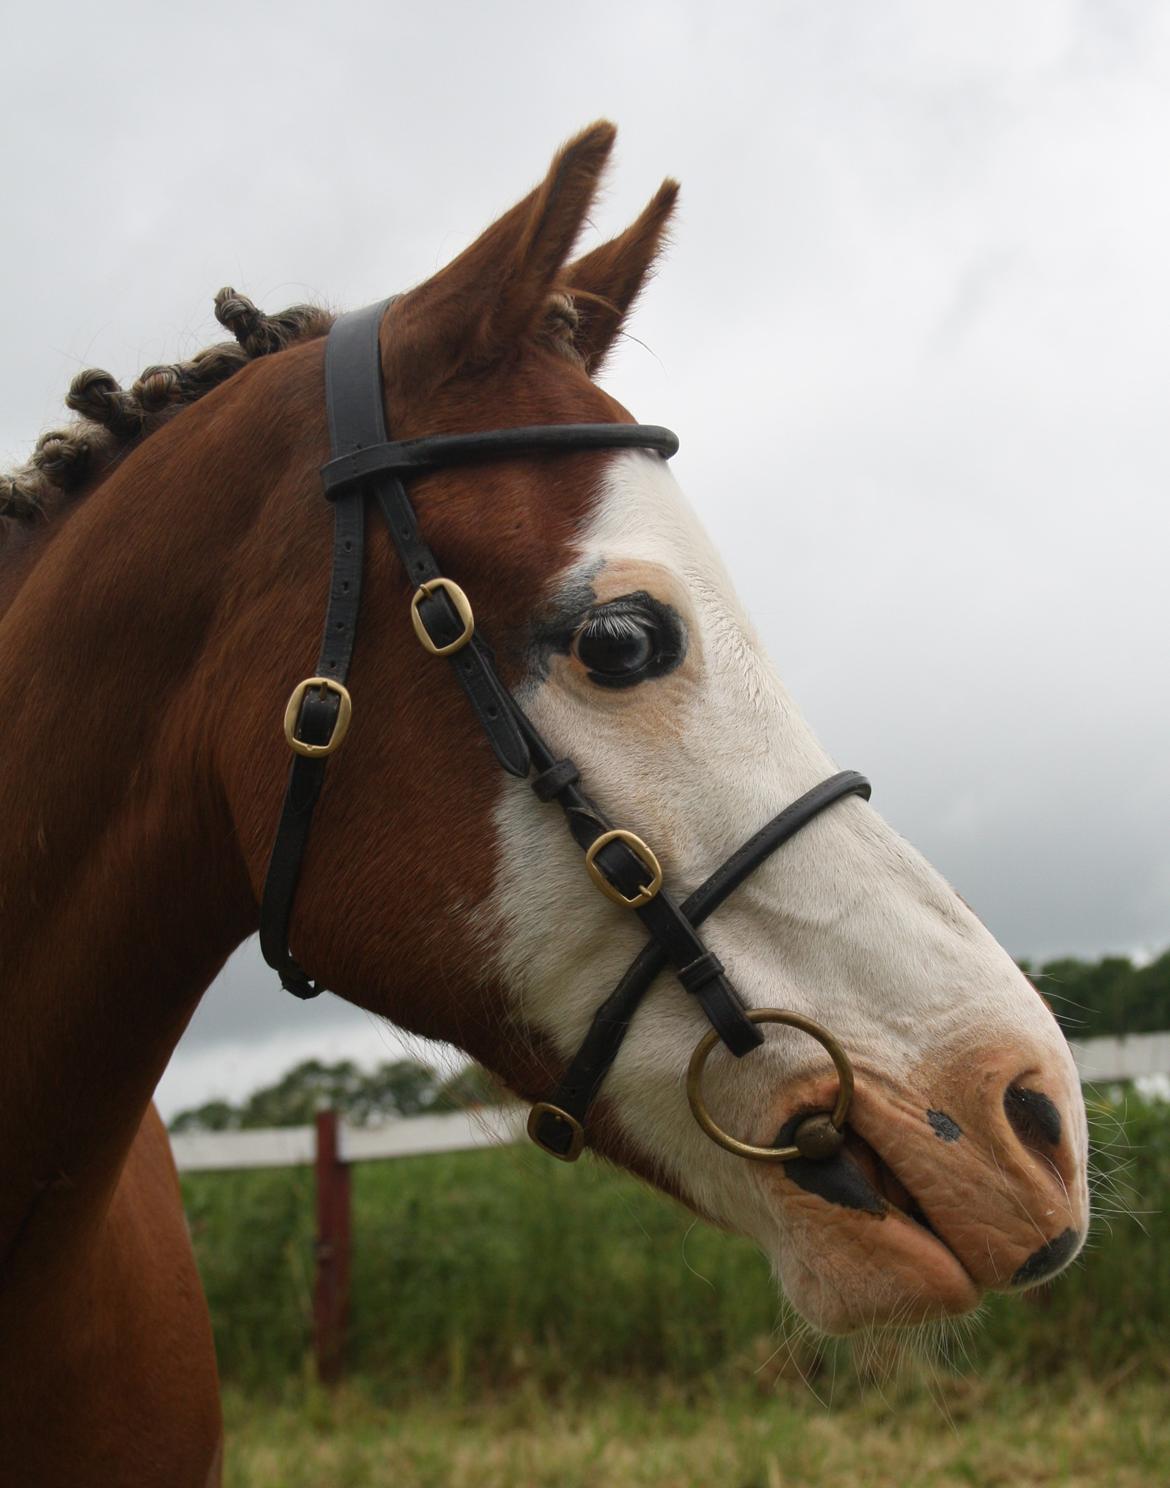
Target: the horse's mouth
pixel 884 1185
pixel 884 1259
pixel 856 1176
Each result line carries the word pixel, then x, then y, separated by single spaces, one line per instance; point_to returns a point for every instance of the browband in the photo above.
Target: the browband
pixel 415 456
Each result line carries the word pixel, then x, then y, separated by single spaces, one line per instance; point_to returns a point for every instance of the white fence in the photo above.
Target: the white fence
pixel 288 1146
pixel 1099 1061
pixel 1130 1057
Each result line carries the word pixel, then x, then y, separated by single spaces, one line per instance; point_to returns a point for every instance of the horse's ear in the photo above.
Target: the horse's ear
pixel 497 290
pixel 605 283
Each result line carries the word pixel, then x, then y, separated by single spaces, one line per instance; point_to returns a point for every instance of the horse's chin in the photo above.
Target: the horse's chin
pixel 891 1273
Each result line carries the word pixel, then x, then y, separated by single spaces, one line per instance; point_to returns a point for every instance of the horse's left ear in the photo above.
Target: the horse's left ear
pixel 494 294
pixel 605 283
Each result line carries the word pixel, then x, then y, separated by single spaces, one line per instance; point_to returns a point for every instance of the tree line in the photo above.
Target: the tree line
pixel 1089 998
pixel 1112 995
pixel 402 1087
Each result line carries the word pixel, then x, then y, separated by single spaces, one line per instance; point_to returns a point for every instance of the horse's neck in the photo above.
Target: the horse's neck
pixel 120 888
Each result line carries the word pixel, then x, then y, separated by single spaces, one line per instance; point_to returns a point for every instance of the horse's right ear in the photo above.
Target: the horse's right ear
pixel 496 291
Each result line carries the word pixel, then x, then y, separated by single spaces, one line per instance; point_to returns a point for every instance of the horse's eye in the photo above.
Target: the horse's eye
pixel 627 640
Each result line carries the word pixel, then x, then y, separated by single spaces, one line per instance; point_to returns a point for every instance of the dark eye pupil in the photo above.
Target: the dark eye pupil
pixel 615 645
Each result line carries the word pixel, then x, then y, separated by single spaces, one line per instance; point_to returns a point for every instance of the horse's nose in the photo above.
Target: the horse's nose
pixel 1036 1121
pixel 993 1160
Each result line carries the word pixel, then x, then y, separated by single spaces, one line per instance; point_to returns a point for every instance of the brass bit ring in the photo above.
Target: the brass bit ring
pixel 775 1154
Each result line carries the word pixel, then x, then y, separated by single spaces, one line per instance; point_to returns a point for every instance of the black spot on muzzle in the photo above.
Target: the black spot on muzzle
pixel 1048 1259
pixel 944 1126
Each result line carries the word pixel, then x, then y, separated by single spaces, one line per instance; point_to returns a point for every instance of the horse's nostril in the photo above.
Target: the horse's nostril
pixel 1033 1116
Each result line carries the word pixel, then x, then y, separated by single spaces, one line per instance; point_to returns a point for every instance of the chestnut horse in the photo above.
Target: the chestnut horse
pixel 160 596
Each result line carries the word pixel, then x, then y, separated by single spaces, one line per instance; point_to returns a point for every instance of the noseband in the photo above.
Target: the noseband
pixel 365 463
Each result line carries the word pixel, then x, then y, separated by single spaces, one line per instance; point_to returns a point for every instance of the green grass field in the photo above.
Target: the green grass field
pixel 520 1324
pixel 957 1434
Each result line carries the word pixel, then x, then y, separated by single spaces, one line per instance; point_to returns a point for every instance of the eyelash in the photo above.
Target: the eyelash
pixel 630 618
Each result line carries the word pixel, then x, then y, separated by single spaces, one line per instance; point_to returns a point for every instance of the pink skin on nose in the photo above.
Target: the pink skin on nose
pixel 967 1177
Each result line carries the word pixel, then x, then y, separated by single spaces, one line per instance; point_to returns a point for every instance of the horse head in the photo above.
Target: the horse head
pixel 438 891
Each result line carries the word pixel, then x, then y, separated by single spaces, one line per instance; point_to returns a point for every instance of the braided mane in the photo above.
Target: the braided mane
pixel 112 419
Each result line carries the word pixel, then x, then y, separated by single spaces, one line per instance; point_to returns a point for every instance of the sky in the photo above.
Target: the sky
pixel 913 332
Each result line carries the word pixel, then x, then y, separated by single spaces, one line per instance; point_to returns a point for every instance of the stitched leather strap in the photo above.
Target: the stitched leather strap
pixel 582 1080
pixel 473 665
pixel 439 451
pixel 353 410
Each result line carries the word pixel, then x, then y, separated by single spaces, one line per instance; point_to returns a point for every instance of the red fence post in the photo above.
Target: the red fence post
pixel 331 1293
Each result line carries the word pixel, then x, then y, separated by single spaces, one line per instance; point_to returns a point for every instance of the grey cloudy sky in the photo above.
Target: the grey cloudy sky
pixel 913 333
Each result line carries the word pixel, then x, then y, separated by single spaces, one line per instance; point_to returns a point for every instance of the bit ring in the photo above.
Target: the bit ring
pixel 745 1149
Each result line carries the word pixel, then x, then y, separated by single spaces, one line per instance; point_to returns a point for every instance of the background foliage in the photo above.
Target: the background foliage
pixel 1113 995
pixel 403 1087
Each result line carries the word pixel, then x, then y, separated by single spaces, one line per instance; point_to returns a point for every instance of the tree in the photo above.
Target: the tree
pixel 216 1115
pixel 401 1087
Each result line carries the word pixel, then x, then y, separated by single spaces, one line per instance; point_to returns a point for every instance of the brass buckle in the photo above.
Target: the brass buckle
pixel 462 608
pixel 577 1141
pixel 645 855
pixel 292 716
pixel 745 1149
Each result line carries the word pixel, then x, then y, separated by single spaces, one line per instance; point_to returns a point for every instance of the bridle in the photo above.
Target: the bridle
pixel 364 463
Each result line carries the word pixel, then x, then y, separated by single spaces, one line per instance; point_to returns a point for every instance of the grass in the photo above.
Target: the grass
pixel 480 1270
pixel 964 1433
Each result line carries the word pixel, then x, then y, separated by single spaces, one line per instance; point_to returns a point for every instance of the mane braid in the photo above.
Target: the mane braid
pixel 113 419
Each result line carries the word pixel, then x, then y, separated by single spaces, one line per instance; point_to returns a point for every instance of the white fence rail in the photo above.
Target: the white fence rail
pixel 290 1146
pixel 1130 1057
pixel 1099 1061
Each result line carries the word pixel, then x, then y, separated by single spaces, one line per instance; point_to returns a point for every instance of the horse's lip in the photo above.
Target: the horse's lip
pixel 862 1253
pixel 899 1199
pixel 861 1177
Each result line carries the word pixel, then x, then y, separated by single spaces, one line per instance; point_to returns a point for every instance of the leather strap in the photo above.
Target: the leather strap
pixel 673 934
pixel 474 664
pixel 404 457
pixel 353 411
pixel 583 1079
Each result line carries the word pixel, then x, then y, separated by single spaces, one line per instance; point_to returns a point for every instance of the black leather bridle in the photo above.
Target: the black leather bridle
pixel 364 463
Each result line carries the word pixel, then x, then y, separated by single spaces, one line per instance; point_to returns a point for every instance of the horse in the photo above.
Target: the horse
pixel 160 597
